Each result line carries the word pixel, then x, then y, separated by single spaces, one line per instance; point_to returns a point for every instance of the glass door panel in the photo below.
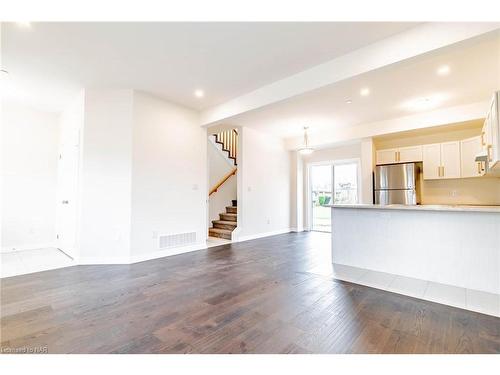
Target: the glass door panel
pixel 321 195
pixel 346 183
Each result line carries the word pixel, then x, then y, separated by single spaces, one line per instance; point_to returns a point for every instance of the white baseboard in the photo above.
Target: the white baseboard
pixel 296 230
pixel 141 257
pixel 263 234
pixel 166 253
pixel 12 249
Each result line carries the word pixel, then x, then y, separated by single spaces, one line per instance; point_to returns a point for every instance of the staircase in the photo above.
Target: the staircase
pixel 223 228
pixel 228 139
pixel 228 221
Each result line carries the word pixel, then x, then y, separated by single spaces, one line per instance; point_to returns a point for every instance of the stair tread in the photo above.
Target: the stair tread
pixel 219 230
pixel 224 222
pixel 229 214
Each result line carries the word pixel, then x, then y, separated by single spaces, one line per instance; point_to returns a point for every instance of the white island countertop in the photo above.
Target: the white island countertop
pixel 421 207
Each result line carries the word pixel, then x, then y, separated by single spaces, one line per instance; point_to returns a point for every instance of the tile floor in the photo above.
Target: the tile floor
pixel 474 300
pixel 29 261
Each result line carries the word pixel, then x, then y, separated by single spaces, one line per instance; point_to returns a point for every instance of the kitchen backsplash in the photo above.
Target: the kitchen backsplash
pixel 475 191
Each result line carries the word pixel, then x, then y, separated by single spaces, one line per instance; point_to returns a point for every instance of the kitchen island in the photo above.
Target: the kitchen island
pixel 452 245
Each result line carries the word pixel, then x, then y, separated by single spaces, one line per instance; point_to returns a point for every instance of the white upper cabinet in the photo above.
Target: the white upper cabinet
pixel 441 160
pixel 469 148
pixel 410 154
pixel 432 161
pixel 493 133
pixel 450 159
pixel 388 156
pixel 399 155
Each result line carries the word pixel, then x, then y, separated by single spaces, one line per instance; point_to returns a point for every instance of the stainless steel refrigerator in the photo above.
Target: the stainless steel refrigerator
pixel 397 184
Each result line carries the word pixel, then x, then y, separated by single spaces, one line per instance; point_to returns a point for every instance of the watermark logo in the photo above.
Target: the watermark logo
pixel 24 350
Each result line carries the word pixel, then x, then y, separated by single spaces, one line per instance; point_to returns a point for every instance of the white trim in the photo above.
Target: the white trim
pixel 264 234
pixel 14 249
pixel 168 252
pixel 142 257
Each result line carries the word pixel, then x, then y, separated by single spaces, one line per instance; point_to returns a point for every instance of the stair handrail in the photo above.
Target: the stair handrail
pixel 229 141
pixel 221 182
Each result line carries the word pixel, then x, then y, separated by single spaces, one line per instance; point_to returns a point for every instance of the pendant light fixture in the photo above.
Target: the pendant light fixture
pixel 305 149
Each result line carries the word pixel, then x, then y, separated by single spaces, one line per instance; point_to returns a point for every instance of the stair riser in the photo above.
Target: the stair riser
pixel 227 217
pixel 224 226
pixel 231 210
pixel 220 235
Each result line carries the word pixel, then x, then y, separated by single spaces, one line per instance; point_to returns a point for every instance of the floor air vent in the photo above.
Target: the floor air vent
pixel 166 241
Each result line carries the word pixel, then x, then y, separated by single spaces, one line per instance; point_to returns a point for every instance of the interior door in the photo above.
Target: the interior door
pixel 450 159
pixel 67 188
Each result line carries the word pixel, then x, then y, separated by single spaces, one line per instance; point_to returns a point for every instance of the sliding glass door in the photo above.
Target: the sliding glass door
pixel 331 183
pixel 321 194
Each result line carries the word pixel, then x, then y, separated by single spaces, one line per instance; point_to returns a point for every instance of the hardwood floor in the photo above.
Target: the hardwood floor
pixel 272 295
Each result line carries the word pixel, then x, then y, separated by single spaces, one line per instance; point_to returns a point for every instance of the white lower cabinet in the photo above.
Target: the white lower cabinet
pixel 441 160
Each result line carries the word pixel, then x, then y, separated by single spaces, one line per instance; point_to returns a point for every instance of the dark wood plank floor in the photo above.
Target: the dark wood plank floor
pixel 272 295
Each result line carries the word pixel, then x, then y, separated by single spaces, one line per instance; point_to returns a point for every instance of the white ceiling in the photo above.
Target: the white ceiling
pixel 50 62
pixel 474 76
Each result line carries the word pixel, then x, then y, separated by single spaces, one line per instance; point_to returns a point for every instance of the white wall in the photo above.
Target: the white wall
pixel 219 165
pixel 264 197
pixel 169 174
pixel 29 175
pixel 106 176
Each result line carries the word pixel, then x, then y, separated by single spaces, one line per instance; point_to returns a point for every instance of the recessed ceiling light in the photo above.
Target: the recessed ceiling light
pixel 25 25
pixel 443 70
pixel 424 103
pixel 348 101
pixel 199 93
pixel 364 91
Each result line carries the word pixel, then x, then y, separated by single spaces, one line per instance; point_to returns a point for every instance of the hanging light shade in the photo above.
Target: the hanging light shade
pixel 306 149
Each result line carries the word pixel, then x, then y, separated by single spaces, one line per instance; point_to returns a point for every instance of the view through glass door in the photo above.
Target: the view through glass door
pixel 334 183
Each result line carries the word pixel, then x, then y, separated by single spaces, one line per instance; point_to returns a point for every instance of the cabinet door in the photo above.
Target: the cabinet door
pixel 432 161
pixel 468 150
pixel 486 135
pixel 450 159
pixel 386 156
pixel 494 127
pixel 410 154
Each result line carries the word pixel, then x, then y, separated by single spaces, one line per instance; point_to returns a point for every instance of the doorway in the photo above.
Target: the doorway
pixel 333 182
